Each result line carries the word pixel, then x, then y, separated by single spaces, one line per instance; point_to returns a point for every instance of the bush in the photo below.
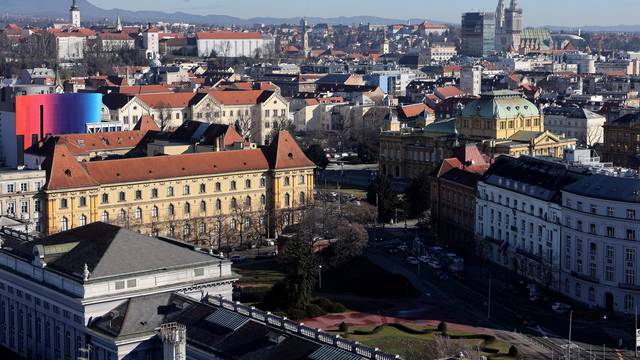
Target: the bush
pixel 314 310
pixel 442 327
pixel 296 314
pixel 344 328
pixel 513 351
pixel 253 294
pixel 336 308
pixel 324 303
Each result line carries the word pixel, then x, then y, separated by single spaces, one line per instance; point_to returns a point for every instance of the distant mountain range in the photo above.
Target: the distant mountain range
pixel 53 9
pixel 60 9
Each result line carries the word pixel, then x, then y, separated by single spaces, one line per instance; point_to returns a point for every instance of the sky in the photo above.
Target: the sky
pixel 537 12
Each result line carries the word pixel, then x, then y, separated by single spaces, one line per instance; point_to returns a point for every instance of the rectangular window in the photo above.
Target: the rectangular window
pixel 609 211
pixel 10 188
pixel 131 283
pixel 83 201
pixel 24 207
pixel 120 285
pixel 63 204
pixel 631 234
pixel 631 214
pixel 610 231
pixel 23 187
pixel 198 272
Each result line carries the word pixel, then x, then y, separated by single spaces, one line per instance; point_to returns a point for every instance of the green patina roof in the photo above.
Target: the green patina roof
pixel 444 127
pixel 500 104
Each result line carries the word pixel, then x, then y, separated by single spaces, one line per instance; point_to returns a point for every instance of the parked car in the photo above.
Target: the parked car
pixel 412 260
pixel 424 259
pixel 560 308
pixel 237 259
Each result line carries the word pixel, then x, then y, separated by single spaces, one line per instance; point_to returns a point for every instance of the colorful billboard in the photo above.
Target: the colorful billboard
pixel 51 114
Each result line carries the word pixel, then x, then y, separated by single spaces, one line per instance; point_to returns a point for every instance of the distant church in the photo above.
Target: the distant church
pixel 508 26
pixel 75 15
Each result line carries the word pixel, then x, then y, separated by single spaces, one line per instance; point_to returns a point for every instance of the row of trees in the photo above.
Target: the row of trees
pixel 414 204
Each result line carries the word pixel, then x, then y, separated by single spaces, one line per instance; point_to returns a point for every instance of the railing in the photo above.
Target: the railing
pixel 300 329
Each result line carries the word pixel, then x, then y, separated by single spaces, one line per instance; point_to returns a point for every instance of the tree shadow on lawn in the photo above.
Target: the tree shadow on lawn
pixel 362 286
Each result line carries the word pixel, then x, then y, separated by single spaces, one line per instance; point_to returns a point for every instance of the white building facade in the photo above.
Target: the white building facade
pixel 601 229
pixel 46 305
pixel 518 217
pixel 234 44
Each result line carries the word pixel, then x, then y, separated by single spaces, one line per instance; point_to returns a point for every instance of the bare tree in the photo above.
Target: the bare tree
pixel 164 115
pixel 245 125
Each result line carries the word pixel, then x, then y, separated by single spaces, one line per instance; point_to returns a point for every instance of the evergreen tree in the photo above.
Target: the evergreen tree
pixel 381 194
pixel 301 268
pixel 418 195
pixel 316 153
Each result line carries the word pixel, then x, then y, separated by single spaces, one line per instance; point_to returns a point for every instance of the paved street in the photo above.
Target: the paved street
pixel 540 332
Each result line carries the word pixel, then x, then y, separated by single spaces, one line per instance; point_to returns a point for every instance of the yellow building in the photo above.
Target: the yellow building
pixel 507 123
pixel 206 198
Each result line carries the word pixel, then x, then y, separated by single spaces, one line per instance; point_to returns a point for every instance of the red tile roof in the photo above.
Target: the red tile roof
pixel 284 153
pixel 167 100
pixel 143 89
pixel 64 171
pixel 244 97
pixel 413 110
pixel 121 36
pixel 447 92
pixel 224 35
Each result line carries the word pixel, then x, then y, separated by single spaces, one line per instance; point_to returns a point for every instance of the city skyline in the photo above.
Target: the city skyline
pixel 538 14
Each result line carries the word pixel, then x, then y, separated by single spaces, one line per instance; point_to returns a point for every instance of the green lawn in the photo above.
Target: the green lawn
pixel 397 340
pixel 260 274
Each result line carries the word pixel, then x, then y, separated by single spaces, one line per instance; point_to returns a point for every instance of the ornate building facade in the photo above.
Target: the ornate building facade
pixel 508 26
pixel 204 198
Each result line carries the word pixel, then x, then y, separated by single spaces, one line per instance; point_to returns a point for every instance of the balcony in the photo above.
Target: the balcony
pixel 585 277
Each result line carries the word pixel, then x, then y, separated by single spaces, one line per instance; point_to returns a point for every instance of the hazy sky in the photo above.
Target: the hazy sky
pixel 537 12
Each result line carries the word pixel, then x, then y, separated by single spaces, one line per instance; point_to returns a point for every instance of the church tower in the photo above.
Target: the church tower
pixel 119 24
pixel 513 25
pixel 501 38
pixel 75 14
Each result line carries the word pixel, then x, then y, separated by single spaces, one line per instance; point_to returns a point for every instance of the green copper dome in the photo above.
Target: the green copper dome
pixel 500 104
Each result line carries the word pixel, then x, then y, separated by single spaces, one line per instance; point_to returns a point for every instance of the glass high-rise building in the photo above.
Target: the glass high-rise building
pixel 478 34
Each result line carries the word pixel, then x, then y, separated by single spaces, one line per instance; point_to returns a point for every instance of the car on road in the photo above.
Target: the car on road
pixel 560 308
pixel 424 259
pixel 412 260
pixel 237 259
pixel 435 264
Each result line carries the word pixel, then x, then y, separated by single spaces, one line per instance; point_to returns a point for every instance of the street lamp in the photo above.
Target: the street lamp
pixel 319 277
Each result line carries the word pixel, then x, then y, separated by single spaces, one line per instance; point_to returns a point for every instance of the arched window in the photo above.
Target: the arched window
pixel 303 198
pixel 83 220
pixel 287 181
pixel 105 198
pixel 170 191
pixel 105 217
pixel 64 224
pixel 202 227
pixel 122 216
pixel 247 184
pixel 263 181
pixel 172 210
pixel 186 190
pixel 247 201
pixel 218 187
pixel 263 200
pixel 154 211
pixel 203 206
pixel 187 208
pixel 218 205
pixel 203 188
pixel 122 196
pixel 233 185
pixel 234 203
pixel 138 213
pixel 138 194
pixel 301 179
pixel 287 199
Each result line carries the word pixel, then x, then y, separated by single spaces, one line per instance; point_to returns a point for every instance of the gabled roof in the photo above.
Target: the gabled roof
pixel 447 92
pixel 64 171
pixel 167 100
pixel 110 251
pixel 284 153
pixel 244 97
pixel 414 110
pixel 146 123
pixel 176 166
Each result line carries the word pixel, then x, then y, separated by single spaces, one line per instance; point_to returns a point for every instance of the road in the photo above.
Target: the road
pixel 465 301
pixel 358 176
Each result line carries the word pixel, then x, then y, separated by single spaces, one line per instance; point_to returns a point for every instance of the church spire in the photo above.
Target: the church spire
pixel 119 24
